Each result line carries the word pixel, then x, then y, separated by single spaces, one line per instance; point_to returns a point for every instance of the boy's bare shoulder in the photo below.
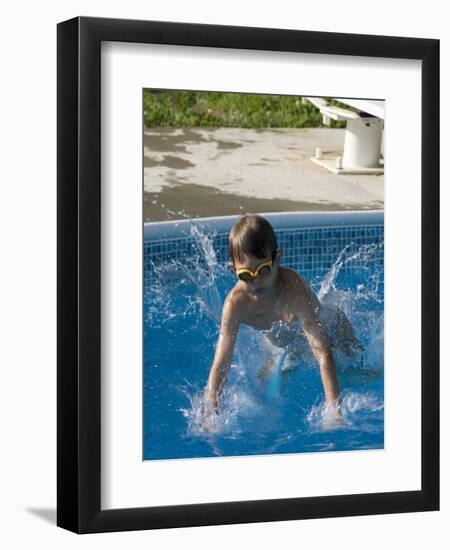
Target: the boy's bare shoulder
pixel 295 284
pixel 293 279
pixel 235 302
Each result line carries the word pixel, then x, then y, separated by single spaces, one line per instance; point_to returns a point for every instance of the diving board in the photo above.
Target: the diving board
pixel 363 142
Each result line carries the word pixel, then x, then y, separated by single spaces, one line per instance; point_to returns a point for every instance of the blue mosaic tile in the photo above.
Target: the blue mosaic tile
pixel 310 251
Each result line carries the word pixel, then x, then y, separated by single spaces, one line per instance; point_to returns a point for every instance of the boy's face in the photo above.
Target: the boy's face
pixel 260 283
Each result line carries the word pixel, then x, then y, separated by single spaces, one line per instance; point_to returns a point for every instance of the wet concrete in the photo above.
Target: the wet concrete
pixel 168 161
pixel 194 201
pixel 219 171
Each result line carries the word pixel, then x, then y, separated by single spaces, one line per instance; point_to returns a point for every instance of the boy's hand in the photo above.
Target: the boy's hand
pixel 332 414
pixel 209 417
pixel 209 405
pixel 338 413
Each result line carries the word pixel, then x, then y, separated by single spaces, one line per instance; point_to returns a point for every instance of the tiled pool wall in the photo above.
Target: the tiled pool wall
pixel 309 249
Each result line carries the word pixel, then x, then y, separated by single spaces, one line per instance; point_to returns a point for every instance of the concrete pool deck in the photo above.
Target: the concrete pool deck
pixel 201 172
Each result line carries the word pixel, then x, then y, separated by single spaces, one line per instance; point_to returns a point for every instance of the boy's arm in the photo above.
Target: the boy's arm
pixel 224 352
pixel 318 340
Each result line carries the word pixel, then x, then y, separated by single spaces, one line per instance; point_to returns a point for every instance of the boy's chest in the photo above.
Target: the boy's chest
pixel 262 315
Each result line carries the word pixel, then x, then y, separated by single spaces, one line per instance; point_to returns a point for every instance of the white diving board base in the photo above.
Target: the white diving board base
pixel 331 165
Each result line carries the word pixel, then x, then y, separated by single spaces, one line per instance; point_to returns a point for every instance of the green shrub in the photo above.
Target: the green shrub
pixel 164 108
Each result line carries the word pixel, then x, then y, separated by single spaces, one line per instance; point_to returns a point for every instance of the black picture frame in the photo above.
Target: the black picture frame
pixel 79 280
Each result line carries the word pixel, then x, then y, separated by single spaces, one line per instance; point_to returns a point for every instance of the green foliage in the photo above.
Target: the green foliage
pixel 230 110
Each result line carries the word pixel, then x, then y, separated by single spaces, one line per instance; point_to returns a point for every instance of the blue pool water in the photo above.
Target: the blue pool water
pixel 186 281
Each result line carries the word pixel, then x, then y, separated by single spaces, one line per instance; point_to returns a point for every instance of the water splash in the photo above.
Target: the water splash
pixel 205 281
pixel 180 288
pixel 322 415
pixel 328 281
pixel 358 305
pixel 236 407
pixel 362 257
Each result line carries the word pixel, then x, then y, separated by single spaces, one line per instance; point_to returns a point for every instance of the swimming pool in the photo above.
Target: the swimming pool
pixel 185 282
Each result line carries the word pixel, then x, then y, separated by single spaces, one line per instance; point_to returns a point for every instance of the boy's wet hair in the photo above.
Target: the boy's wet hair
pixel 252 235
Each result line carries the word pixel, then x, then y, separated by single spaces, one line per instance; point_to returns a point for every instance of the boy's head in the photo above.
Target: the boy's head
pixel 252 236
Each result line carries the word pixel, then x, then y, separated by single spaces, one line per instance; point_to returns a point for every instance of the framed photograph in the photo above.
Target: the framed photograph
pixel 248 288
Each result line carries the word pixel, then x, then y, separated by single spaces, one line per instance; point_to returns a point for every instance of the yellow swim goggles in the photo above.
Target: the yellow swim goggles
pixel 245 274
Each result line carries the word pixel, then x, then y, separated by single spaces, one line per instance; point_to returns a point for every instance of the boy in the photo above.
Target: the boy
pixel 268 296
